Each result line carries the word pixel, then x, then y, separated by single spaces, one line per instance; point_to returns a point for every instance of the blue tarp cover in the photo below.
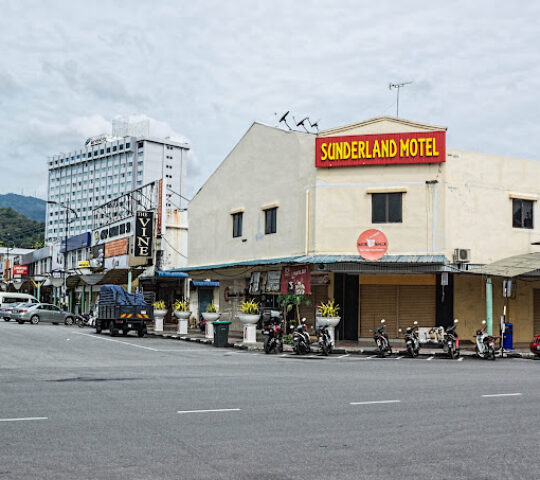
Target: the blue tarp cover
pixel 116 295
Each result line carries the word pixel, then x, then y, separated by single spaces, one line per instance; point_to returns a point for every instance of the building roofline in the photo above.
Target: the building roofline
pixel 371 121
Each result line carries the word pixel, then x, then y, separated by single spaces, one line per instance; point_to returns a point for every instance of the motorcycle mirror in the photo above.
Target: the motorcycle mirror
pixel 456 321
pixel 383 320
pixel 415 323
pixel 483 322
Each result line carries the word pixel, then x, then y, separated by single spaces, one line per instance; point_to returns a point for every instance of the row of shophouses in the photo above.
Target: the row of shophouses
pixel 380 216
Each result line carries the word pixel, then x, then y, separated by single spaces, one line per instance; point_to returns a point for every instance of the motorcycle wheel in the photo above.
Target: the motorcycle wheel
pixel 411 351
pixel 267 348
pixel 492 354
pixel 452 352
pixel 280 349
pixel 380 349
pixel 324 349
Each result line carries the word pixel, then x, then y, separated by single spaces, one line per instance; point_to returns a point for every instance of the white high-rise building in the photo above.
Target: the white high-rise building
pixel 107 167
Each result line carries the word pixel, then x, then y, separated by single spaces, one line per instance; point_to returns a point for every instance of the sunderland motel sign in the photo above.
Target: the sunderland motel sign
pixel 144 227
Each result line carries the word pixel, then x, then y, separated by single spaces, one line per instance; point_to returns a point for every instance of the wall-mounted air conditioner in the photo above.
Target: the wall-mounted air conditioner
pixel 462 255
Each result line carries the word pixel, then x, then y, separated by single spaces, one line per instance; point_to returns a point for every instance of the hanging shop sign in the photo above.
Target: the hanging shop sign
pixel 20 269
pixel 84 264
pixel 381 149
pixel 296 280
pixel 116 247
pixel 144 228
pixel 273 281
pixel 372 244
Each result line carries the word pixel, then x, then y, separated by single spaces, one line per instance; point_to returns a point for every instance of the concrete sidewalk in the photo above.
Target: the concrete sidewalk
pixel 364 346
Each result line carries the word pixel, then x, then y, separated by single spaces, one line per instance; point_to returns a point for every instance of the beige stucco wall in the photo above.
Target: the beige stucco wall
pixel 267 167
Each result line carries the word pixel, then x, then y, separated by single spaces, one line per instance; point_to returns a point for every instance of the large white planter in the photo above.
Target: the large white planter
pixel 183 318
pixel 159 315
pixel 250 326
pixel 331 323
pixel 210 317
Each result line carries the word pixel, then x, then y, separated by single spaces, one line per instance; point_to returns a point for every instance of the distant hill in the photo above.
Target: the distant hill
pixel 20 231
pixel 31 207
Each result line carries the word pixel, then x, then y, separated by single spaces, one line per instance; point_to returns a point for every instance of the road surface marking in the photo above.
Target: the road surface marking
pixel 373 356
pixel 22 419
pixel 375 402
pixel 430 358
pixel 215 410
pixel 343 356
pixel 399 358
pixel 460 359
pixel 503 395
pixel 118 341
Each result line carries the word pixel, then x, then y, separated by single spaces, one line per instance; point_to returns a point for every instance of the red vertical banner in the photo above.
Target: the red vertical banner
pixel 160 205
pixel 296 280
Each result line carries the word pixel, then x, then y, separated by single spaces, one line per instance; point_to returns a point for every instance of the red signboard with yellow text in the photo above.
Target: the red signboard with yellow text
pixel 381 149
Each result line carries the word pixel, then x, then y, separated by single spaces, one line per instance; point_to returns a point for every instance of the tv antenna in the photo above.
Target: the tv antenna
pixel 284 119
pixel 301 122
pixel 398 86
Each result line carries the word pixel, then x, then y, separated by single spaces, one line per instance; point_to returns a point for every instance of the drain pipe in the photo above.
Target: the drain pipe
pixel 489 306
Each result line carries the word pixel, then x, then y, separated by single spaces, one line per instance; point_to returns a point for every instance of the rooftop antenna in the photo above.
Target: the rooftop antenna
pixel 301 122
pixel 314 125
pixel 398 86
pixel 284 119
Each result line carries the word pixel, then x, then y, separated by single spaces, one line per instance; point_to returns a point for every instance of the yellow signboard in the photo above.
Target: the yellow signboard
pixel 84 264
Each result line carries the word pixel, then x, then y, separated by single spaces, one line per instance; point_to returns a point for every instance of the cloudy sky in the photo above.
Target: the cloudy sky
pixel 206 70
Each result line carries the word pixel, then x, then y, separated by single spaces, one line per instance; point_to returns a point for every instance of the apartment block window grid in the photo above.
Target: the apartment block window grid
pixel 270 220
pixel 386 208
pixel 238 219
pixel 522 213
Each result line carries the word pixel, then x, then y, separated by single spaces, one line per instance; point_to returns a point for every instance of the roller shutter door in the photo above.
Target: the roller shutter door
pixel 416 302
pixel 377 302
pixel 536 311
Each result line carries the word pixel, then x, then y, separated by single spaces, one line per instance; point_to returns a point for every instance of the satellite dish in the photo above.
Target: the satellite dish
pixel 284 119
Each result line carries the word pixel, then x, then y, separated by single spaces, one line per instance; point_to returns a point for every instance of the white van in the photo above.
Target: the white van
pixel 8 299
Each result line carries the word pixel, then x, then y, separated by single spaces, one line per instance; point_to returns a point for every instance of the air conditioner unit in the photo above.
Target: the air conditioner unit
pixel 462 255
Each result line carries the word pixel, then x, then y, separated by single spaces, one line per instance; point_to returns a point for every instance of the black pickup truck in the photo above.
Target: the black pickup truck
pixel 120 311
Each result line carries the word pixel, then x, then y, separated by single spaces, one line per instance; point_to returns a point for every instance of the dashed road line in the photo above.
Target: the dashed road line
pixel 210 411
pixel 23 419
pixel 502 395
pixel 375 402
pixel 118 341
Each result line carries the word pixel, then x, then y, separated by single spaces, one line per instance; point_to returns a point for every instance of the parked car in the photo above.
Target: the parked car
pixel 9 300
pixel 535 345
pixel 42 312
pixel 6 310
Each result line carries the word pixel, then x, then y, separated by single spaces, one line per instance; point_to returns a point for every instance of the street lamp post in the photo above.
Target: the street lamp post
pixel 67 208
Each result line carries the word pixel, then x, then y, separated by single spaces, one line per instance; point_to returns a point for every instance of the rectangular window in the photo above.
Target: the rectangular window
pixel 270 220
pixel 522 213
pixel 386 208
pixel 237 224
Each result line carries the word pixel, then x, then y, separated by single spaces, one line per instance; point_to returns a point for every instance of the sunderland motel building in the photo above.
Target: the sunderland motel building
pixel 385 218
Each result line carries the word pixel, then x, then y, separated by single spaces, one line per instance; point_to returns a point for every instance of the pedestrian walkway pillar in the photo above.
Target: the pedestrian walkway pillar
pixel 89 297
pixel 39 291
pixel 83 299
pixel 130 278
pixel 489 306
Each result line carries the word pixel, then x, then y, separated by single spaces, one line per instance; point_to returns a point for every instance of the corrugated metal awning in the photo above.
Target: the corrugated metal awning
pixel 171 273
pixel 511 266
pixel 204 283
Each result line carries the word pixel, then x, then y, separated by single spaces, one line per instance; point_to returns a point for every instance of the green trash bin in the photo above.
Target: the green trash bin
pixel 221 333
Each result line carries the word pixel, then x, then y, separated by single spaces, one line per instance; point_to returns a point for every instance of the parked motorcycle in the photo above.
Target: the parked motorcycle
pixel 202 324
pixel 451 340
pixel 411 340
pixel 301 338
pixel 274 335
pixel 325 341
pixel 85 320
pixel 381 339
pixel 485 344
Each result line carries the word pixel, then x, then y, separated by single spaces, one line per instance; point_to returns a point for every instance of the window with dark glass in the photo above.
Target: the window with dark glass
pixel 270 220
pixel 237 224
pixel 522 213
pixel 386 208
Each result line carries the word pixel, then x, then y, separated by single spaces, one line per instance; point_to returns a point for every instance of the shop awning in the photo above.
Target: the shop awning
pixel 511 266
pixel 171 274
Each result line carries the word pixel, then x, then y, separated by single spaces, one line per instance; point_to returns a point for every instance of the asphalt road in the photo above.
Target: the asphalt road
pixel 75 405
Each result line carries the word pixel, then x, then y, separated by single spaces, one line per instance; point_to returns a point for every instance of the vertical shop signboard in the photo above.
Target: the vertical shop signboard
pixel 296 280
pixel 144 228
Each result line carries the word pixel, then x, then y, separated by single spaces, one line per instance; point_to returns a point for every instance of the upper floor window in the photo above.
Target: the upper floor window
pixel 237 224
pixel 386 208
pixel 270 220
pixel 522 213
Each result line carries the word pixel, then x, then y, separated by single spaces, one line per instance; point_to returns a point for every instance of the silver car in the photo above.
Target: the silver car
pixel 42 312
pixel 6 310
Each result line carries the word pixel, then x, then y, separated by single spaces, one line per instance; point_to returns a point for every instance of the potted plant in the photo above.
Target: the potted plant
pixel 211 315
pixel 249 316
pixel 182 312
pixel 160 310
pixel 328 316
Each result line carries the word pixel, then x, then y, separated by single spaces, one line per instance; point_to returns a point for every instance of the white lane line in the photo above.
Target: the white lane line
pixel 343 356
pixel 373 356
pixel 503 395
pixel 24 419
pixel 430 358
pixel 284 355
pixel 460 359
pixel 215 410
pixel 118 341
pixel 375 402
pixel 399 358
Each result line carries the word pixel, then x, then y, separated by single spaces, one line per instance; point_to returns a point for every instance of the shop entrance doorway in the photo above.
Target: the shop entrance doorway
pixel 346 296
